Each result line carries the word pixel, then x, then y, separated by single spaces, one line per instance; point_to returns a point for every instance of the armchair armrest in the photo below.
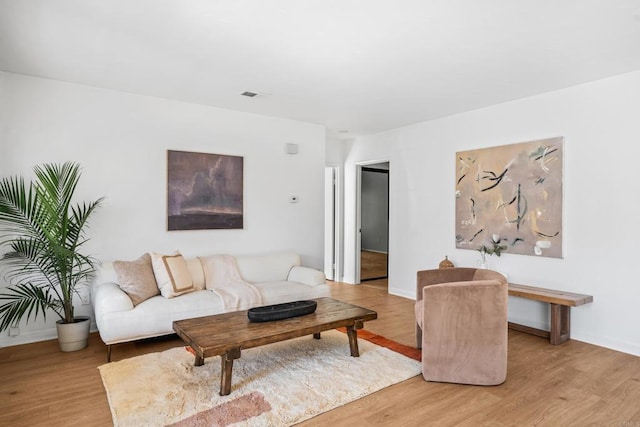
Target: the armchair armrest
pixel 307 276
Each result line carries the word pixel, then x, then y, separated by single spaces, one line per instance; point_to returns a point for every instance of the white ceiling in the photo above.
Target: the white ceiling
pixel 359 65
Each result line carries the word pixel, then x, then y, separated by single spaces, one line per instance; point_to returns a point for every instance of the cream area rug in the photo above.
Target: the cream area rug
pixel 274 385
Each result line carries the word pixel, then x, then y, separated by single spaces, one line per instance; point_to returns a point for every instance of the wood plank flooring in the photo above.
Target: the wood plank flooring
pixel 373 265
pixel 573 384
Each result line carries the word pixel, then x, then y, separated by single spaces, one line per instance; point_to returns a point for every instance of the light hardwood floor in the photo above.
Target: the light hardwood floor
pixel 570 384
pixel 373 265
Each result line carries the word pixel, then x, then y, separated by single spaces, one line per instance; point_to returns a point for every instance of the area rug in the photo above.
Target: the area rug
pixel 274 385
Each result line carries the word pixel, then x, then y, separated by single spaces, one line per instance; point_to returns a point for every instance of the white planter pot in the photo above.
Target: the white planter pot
pixel 73 336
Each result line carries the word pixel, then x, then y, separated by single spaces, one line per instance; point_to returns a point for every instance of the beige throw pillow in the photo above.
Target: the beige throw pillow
pixel 172 274
pixel 136 278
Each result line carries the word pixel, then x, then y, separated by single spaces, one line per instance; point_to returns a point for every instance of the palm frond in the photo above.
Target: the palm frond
pixel 19 211
pixel 28 301
pixel 79 217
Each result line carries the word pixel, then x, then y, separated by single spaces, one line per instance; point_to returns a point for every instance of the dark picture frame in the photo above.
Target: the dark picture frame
pixel 204 191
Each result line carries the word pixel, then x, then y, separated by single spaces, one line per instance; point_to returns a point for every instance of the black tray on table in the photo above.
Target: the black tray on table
pixel 285 310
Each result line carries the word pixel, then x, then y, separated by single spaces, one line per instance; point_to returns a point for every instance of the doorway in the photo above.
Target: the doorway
pixel 374 224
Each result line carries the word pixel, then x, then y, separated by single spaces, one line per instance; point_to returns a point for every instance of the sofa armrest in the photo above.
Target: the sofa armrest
pixel 109 298
pixel 306 276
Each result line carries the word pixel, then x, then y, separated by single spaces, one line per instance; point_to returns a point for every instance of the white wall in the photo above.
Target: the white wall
pixel 121 140
pixel 600 124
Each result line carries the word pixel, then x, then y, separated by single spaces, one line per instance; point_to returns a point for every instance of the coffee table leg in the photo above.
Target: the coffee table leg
pixel 227 367
pixel 317 335
pixel 199 361
pixel 352 333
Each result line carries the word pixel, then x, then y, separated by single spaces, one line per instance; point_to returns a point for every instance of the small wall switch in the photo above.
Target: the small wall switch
pixel 293 199
pixel 84 297
pixel 14 331
pixel 291 148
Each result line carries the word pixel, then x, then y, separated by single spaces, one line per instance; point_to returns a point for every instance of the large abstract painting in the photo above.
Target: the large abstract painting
pixel 511 194
pixel 204 191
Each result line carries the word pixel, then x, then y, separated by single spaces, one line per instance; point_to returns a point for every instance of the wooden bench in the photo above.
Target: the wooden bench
pixel 560 302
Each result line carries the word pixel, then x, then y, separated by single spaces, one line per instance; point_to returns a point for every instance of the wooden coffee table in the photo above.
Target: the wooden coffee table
pixel 227 334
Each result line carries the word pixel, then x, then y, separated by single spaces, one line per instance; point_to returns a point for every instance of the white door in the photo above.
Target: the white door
pixel 329 222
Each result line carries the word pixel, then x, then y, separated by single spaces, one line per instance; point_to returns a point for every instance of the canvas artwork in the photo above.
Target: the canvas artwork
pixel 511 196
pixel 204 191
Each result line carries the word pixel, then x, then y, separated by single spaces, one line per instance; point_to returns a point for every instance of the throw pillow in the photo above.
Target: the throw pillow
pixel 136 278
pixel 172 274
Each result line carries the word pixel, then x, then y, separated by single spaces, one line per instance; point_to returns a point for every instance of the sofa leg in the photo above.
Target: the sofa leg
pixel 108 353
pixel 418 336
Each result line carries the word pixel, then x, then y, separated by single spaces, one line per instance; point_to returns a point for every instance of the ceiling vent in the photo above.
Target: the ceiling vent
pixel 249 94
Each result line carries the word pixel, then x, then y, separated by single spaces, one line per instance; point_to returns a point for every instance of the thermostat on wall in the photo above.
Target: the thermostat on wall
pixel 291 148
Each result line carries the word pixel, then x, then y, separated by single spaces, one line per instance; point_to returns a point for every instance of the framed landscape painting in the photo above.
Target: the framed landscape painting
pixel 511 196
pixel 204 191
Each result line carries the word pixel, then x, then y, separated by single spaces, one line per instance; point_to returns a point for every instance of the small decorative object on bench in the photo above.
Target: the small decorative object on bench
pixel 286 310
pixel 445 263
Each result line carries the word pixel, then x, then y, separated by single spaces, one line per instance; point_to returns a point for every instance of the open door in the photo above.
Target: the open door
pixel 330 222
pixel 374 221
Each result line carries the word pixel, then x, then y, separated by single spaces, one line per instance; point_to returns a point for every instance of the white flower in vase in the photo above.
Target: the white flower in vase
pixel 495 248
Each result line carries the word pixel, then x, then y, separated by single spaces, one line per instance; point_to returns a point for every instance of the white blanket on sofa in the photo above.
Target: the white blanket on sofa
pixel 223 277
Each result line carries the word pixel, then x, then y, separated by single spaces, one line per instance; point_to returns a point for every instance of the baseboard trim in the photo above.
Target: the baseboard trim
pixel 30 337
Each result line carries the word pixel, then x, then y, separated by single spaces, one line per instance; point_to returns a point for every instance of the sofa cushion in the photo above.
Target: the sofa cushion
pixel 136 278
pixel 268 267
pixel 197 274
pixel 284 291
pixel 172 274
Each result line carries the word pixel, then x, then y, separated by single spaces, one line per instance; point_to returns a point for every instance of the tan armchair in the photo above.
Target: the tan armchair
pixel 461 316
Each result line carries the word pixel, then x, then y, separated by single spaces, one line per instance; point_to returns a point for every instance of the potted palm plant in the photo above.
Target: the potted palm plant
pixel 44 266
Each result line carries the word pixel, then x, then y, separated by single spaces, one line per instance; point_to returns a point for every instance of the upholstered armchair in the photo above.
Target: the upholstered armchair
pixel 461 316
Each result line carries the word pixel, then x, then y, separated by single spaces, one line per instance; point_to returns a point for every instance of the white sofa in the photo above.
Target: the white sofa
pixel 278 276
